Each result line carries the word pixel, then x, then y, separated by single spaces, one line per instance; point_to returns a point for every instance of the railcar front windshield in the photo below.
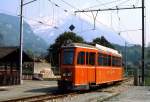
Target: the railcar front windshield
pixel 68 55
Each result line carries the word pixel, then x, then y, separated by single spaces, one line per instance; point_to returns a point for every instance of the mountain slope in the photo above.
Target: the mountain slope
pixel 133 53
pixel 82 28
pixel 9 34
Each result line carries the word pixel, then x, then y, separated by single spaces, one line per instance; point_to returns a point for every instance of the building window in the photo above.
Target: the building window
pixel 81 58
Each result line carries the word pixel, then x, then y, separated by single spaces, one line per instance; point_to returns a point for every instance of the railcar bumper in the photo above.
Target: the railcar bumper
pixel 68 85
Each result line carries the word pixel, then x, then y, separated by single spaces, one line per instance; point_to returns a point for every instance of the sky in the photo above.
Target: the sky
pixel 53 12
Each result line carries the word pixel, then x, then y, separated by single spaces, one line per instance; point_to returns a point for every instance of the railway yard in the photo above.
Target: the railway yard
pixel 46 91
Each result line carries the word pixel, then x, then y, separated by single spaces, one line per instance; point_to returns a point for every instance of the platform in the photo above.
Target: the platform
pixel 28 88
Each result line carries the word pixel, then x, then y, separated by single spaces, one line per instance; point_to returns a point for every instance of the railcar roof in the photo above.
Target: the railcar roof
pixel 96 47
pixel 79 45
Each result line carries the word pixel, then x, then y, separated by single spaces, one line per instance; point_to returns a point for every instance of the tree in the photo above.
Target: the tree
pixel 54 49
pixel 1 39
pixel 103 41
pixel 148 53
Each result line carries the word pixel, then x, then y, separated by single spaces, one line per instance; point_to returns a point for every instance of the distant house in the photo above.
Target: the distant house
pixel 9 65
pixel 45 69
pixel 38 69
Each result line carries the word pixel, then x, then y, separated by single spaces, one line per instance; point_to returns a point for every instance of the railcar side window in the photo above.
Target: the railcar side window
pixel 81 58
pixel 68 57
pixel 116 61
pixel 113 61
pixel 100 59
pixel 119 62
pixel 91 58
pixel 109 60
pixel 87 58
pixel 105 62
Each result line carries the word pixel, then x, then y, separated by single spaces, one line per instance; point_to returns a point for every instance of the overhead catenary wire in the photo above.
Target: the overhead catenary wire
pixel 83 12
pixel 65 10
pixel 102 4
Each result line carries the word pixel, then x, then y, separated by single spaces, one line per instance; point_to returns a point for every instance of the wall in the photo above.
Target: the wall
pixel 44 69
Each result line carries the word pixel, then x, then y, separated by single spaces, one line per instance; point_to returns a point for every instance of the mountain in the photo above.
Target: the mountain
pixel 133 53
pixel 82 28
pixel 9 35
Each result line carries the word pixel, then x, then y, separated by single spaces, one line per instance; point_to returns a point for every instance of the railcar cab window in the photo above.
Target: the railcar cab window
pixel 90 58
pixel 68 56
pixel 81 58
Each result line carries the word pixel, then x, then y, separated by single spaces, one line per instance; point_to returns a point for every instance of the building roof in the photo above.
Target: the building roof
pixel 79 45
pixel 12 54
pixel 4 51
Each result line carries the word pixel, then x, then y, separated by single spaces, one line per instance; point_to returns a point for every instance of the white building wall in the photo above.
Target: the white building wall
pixel 44 69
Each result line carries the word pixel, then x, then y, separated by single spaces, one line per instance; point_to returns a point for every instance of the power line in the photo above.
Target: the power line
pixel 103 4
pixel 109 9
pixel 79 9
pixel 29 2
pixel 65 10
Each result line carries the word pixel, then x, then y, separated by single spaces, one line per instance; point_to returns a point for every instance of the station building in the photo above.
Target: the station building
pixel 9 65
pixel 10 71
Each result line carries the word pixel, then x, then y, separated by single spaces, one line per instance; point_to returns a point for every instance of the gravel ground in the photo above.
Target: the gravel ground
pixel 133 94
pixel 86 97
pixel 98 95
pixel 32 88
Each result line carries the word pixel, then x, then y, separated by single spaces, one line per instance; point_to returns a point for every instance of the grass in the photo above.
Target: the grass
pixel 147 81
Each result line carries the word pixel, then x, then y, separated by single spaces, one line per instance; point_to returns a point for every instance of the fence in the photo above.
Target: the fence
pixel 9 74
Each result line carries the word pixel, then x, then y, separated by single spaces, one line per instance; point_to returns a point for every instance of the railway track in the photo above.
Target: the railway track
pixel 41 98
pixel 46 97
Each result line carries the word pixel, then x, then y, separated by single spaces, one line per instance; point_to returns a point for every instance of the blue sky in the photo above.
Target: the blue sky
pixel 51 15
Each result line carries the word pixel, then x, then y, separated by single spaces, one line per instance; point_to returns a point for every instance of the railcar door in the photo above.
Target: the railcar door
pixel 91 68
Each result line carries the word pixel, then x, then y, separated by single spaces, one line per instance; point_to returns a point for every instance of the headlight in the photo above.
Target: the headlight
pixel 64 74
pixel 67 74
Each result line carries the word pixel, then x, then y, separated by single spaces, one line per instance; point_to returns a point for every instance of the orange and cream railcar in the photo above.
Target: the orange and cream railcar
pixel 85 65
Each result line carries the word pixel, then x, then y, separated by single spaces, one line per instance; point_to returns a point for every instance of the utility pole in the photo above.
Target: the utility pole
pixel 143 41
pixel 21 39
pixel 125 61
pixel 21 36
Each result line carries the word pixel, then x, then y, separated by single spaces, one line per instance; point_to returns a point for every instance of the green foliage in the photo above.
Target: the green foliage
pixel 148 53
pixel 133 53
pixel 103 41
pixel 1 39
pixel 54 49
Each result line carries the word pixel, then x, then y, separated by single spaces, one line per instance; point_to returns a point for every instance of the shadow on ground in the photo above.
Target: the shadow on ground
pixel 44 90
